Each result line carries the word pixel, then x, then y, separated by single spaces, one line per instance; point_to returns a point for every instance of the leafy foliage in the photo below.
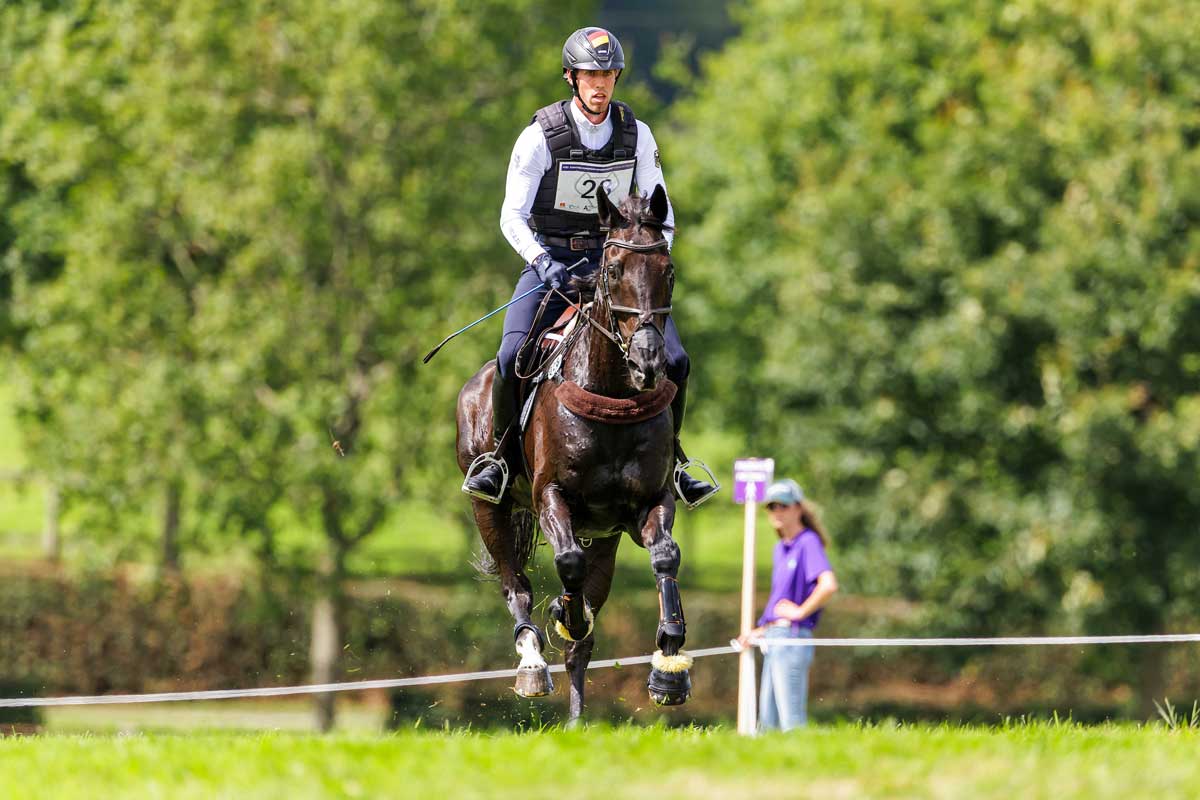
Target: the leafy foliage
pixel 941 258
pixel 268 212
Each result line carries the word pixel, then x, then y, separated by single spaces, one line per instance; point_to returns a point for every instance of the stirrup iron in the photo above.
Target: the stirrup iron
pixel 481 462
pixel 683 467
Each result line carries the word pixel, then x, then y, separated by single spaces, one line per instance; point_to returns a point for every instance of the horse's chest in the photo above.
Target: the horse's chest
pixel 630 476
pixel 604 466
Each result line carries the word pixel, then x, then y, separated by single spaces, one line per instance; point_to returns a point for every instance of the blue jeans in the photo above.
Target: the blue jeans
pixel 783 697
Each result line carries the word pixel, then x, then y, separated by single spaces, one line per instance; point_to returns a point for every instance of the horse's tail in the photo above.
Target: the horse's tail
pixel 525 538
pixel 525 535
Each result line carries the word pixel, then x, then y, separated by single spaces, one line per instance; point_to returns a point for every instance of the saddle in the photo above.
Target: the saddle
pixel 537 364
pixel 563 327
pixel 533 359
pixel 539 361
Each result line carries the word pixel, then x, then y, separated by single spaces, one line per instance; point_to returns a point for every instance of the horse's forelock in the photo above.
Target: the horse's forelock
pixel 636 210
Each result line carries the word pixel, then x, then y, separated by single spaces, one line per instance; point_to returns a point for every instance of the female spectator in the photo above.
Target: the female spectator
pixel 801 583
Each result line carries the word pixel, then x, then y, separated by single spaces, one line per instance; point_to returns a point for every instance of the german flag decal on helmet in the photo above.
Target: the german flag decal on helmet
pixel 599 40
pixel 592 48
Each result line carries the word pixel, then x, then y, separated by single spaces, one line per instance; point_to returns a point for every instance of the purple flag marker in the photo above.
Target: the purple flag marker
pixel 751 477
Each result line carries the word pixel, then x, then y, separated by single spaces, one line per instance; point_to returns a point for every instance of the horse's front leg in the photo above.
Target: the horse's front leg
pixel 573 618
pixel 669 682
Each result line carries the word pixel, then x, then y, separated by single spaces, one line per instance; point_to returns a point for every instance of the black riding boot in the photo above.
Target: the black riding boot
pixel 491 479
pixel 692 491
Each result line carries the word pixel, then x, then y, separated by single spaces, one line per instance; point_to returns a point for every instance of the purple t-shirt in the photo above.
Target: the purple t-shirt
pixel 794 575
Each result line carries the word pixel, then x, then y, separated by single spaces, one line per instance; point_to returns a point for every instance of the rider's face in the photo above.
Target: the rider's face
pixel 596 87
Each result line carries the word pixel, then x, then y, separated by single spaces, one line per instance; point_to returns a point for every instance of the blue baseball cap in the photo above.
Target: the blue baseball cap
pixel 786 491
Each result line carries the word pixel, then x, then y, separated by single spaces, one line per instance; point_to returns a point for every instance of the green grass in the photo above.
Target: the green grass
pixel 1038 760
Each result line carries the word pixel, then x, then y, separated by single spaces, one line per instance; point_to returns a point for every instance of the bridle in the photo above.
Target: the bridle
pixel 645 316
pixel 612 331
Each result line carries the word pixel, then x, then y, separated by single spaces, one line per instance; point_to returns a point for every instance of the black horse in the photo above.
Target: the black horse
pixel 598 459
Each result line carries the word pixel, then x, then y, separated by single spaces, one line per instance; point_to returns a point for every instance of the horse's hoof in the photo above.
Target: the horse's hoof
pixel 669 688
pixel 534 682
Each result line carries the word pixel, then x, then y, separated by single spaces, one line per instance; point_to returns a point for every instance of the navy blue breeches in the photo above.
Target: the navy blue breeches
pixel 519 317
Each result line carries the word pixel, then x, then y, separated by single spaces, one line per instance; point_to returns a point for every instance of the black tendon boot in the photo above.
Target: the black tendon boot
pixel 692 491
pixel 487 477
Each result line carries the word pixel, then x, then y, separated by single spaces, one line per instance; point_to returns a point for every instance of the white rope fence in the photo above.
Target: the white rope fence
pixel 993 641
pixel 462 677
pixel 320 688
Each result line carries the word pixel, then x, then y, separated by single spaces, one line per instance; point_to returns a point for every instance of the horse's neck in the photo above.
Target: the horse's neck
pixel 596 363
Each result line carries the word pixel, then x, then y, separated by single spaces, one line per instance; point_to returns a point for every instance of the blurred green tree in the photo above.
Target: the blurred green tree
pixel 942 259
pixel 273 210
pixel 28 239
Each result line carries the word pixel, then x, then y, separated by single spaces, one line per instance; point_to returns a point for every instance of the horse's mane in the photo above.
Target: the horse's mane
pixel 586 286
pixel 636 211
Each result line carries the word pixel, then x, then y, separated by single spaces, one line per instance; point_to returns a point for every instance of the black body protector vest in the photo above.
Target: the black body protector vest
pixel 565 203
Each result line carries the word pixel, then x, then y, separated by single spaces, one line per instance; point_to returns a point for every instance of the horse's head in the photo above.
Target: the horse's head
pixel 635 281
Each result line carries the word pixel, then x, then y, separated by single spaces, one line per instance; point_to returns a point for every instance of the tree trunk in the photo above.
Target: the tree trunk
pixel 170 528
pixel 326 618
pixel 51 534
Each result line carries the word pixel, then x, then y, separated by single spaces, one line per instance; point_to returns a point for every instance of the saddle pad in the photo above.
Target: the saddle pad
pixel 615 410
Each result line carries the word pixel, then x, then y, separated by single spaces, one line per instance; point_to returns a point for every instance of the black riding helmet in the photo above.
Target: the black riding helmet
pixel 591 48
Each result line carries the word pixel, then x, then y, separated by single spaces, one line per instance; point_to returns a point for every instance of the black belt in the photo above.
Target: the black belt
pixel 575 242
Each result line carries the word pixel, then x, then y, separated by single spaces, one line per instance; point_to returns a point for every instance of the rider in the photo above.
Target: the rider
pixel 549 216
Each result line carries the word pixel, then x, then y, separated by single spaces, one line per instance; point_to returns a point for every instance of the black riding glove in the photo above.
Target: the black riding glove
pixel 552 272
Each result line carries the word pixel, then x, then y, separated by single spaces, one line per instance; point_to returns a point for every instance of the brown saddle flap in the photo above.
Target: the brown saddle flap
pixel 560 330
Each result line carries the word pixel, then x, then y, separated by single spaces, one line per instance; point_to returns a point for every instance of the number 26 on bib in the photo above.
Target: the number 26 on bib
pixel 578 182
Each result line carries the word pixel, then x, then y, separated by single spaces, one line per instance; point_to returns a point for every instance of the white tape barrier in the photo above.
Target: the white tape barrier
pixel 429 680
pixel 321 688
pixel 994 641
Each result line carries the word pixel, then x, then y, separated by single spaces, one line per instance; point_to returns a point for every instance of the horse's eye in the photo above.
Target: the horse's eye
pixel 614 271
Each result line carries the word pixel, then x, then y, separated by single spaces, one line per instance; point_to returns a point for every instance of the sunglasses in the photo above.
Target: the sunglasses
pixel 775 506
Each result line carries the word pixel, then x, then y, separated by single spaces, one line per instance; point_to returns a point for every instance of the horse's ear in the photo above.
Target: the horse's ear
pixel 658 204
pixel 610 217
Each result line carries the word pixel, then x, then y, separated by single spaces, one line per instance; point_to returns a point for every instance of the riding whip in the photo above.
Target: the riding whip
pixel 434 351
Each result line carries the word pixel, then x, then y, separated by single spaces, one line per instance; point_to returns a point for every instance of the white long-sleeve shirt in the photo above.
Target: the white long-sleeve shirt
pixel 531 159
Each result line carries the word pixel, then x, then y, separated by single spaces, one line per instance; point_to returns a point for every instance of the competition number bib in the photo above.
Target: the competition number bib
pixel 578 182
